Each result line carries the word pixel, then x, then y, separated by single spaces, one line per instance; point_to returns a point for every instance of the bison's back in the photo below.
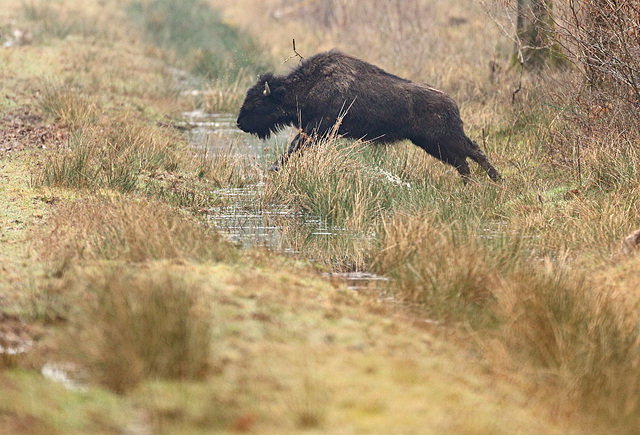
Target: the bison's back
pixel 375 103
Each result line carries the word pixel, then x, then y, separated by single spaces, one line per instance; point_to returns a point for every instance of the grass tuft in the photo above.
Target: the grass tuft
pixel 134 230
pixel 138 327
pixel 451 273
pixel 309 403
pixel 66 104
pixel 112 154
pixel 225 169
pixel 333 182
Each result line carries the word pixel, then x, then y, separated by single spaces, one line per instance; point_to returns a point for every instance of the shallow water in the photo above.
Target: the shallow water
pixel 358 280
pixel 244 218
pixel 217 132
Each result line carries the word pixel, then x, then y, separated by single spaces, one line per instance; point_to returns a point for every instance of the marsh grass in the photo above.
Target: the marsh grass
pixel 338 249
pixel 112 153
pixel 128 153
pixel 55 22
pixel 330 180
pixel 186 193
pixel 581 332
pixel 135 327
pixel 135 230
pixel 449 271
pixel 511 262
pixel 202 41
pixel 331 184
pixel 552 319
pixel 353 188
pixel 67 104
pixel 223 168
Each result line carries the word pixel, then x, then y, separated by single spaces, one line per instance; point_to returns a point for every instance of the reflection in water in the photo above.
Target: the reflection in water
pixel 218 132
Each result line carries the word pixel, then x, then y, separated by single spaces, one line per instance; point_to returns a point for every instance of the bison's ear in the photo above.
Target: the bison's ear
pixel 265 77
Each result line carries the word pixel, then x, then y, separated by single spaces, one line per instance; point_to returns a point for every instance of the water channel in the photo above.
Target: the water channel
pixel 244 218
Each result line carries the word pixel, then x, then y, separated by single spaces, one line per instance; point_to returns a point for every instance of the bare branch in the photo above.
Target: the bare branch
pixel 296 54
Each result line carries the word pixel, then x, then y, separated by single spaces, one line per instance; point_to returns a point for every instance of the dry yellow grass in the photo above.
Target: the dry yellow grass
pixel 486 334
pixel 135 327
pixel 131 230
pixel 513 261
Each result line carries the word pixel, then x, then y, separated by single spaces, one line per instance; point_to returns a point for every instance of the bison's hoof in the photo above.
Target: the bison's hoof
pixel 275 167
pixel 496 177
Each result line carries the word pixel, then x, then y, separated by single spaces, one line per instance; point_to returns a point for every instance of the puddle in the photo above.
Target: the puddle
pixel 217 132
pixel 243 220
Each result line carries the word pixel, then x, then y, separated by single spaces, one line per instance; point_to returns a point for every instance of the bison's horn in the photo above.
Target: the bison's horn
pixel 267 91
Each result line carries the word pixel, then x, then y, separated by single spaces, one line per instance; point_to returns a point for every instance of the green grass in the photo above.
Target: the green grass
pixel 225 169
pixel 510 262
pixel 67 104
pixel 31 404
pixel 111 155
pixel 202 42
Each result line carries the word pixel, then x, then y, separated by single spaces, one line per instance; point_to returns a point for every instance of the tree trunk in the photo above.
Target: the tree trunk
pixel 535 47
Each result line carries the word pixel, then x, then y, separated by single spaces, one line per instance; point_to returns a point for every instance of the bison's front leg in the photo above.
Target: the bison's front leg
pixel 295 145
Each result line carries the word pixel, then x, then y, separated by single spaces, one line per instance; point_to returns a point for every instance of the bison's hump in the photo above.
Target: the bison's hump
pixel 340 67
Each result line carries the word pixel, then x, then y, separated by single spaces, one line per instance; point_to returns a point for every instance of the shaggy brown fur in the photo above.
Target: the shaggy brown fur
pixel 376 106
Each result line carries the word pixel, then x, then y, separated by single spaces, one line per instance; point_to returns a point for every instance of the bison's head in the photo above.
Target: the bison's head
pixel 263 111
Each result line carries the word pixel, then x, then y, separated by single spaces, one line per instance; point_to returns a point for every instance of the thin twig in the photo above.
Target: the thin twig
pixel 484 141
pixel 296 54
pixel 579 164
pixel 516 90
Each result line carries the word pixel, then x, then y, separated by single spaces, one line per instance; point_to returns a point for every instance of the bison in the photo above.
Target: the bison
pixel 371 104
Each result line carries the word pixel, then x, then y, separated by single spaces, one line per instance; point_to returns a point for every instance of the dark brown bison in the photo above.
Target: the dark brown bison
pixel 375 105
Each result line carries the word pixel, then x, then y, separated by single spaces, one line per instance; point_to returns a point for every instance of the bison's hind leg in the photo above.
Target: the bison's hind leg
pixel 476 154
pixel 446 152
